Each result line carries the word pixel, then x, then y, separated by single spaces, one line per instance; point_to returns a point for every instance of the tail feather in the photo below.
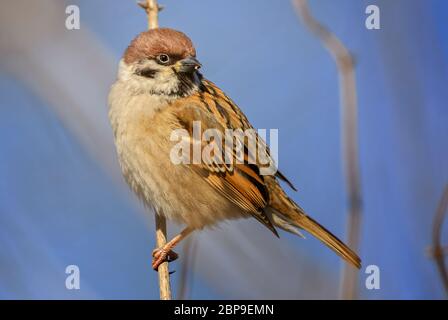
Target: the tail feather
pixel 317 230
pixel 292 217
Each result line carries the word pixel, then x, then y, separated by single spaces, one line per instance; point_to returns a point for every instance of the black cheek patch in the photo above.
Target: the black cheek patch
pixel 147 73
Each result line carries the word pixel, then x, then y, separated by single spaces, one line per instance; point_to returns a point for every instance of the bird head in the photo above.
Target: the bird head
pixel 162 62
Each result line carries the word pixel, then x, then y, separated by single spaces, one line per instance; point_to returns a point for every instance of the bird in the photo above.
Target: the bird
pixel 159 91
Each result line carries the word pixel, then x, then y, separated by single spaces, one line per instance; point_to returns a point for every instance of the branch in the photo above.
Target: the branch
pixel 152 10
pixel 438 251
pixel 348 96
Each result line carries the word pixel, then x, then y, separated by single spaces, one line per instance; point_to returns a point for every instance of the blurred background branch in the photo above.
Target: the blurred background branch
pixel 186 274
pixel 349 113
pixel 438 251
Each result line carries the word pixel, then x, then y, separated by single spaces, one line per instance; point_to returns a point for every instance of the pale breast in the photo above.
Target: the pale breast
pixel 142 126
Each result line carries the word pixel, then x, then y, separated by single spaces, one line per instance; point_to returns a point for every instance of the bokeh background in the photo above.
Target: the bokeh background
pixel 63 201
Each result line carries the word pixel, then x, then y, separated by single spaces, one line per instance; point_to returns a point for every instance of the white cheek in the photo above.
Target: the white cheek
pixel 165 81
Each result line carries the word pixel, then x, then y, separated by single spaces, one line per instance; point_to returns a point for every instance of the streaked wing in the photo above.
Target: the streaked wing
pixel 240 183
pixel 227 111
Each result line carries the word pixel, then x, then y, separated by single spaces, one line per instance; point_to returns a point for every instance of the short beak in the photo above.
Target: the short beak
pixel 188 65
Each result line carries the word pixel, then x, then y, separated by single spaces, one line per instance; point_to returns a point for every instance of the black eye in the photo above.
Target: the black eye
pixel 163 58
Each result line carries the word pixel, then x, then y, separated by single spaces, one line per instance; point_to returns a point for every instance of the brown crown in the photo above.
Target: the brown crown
pixel 151 43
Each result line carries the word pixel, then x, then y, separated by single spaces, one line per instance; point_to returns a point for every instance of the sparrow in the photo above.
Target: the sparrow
pixel 159 90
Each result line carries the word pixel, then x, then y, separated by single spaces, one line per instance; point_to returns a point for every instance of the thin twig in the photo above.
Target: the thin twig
pixel 164 274
pixel 348 96
pixel 438 250
pixel 152 10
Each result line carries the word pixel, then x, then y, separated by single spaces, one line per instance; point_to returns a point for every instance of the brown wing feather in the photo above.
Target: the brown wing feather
pixel 239 183
pixel 229 112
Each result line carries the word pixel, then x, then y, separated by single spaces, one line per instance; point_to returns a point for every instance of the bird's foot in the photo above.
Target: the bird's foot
pixel 161 255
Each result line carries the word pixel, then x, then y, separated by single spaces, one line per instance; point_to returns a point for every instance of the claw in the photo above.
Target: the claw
pixel 161 255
